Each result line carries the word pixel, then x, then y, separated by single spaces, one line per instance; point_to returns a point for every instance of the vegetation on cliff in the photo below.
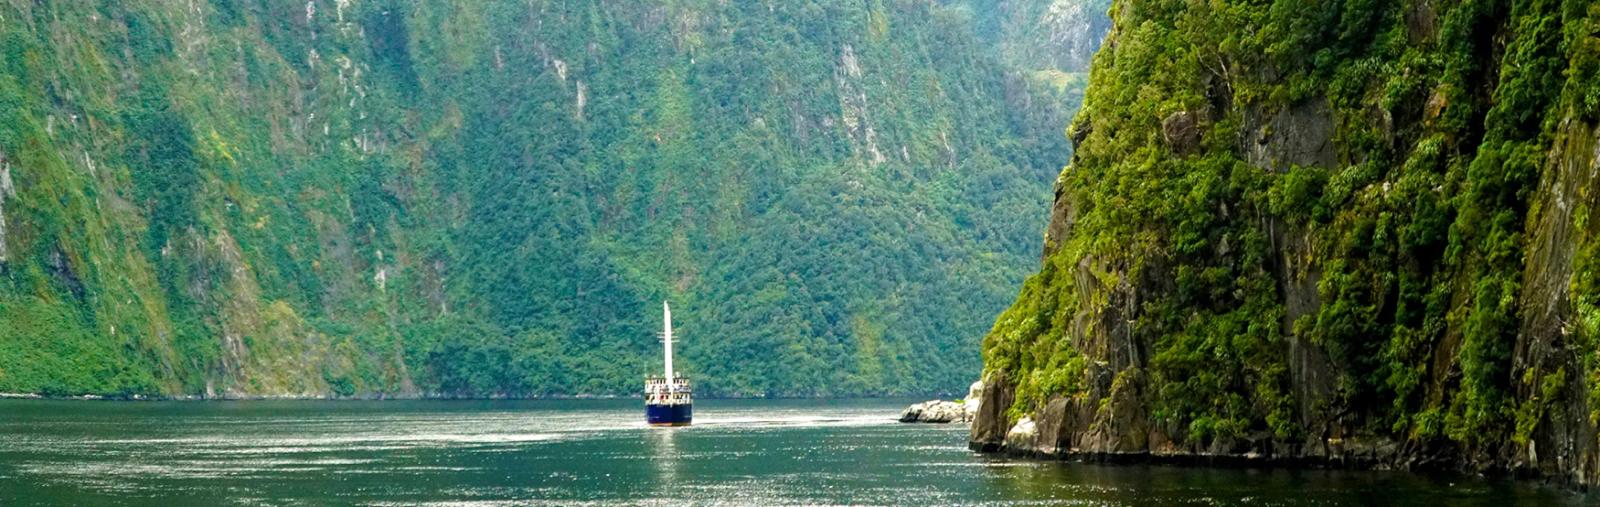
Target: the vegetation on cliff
pixel 360 197
pixel 1302 221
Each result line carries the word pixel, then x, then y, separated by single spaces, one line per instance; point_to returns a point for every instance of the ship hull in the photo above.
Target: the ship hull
pixel 669 415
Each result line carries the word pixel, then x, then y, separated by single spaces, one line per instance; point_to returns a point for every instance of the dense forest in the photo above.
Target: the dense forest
pixel 1335 229
pixel 390 198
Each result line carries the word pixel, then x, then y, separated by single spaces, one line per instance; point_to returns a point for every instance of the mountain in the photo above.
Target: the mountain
pixel 1327 231
pixel 389 198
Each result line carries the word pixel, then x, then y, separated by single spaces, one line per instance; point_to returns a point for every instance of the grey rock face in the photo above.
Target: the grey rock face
pixel 1182 132
pixel 1301 134
pixel 989 428
pixel 1565 443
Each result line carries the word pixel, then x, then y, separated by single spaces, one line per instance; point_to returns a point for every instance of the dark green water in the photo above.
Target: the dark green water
pixel 751 452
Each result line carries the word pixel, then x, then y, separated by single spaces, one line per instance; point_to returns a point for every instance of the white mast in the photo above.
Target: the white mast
pixel 666 313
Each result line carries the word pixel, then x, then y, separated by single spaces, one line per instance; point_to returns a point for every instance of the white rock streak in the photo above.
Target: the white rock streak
pixel 6 190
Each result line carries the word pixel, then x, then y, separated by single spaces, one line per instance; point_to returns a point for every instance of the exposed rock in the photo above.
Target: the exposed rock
pixel 1301 134
pixel 1422 22
pixel 1022 436
pixel 1081 127
pixel 988 429
pixel 1121 425
pixel 973 400
pixel 941 411
pixel 583 99
pixel 5 177
pixel 1052 426
pixel 1063 214
pixel 1310 371
pixel 6 190
pixel 935 411
pixel 1181 131
pixel 1565 443
pixel 853 106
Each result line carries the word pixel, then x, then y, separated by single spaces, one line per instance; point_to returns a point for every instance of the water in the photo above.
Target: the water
pixel 759 452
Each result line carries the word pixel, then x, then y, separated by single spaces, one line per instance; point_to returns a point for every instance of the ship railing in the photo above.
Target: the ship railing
pixel 662 380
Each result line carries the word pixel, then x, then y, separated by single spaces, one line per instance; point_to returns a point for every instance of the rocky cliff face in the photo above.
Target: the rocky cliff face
pixel 1328 233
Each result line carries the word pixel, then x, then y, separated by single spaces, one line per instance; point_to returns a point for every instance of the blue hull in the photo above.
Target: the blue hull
pixel 669 415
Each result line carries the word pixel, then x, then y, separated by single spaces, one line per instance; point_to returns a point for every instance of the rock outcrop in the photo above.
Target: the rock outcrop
pixel 935 411
pixel 1023 436
pixel 1181 131
pixel 989 427
pixel 942 411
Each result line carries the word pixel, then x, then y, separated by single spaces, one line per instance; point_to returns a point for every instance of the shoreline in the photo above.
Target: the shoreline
pixel 1261 461
pixel 402 397
pixel 1063 431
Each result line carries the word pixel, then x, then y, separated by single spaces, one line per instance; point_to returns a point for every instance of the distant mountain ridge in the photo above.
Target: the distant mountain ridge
pixel 383 198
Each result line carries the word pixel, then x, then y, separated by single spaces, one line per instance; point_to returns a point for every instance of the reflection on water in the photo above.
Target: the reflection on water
pixel 665 456
pixel 766 452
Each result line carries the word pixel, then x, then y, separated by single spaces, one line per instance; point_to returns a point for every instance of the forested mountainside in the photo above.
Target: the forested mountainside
pixel 1335 229
pixel 375 198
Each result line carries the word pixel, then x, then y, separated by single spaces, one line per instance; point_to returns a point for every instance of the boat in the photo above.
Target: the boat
pixel 668 399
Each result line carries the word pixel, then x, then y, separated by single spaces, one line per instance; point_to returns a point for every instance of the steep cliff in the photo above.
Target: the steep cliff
pixel 1329 231
pixel 359 197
